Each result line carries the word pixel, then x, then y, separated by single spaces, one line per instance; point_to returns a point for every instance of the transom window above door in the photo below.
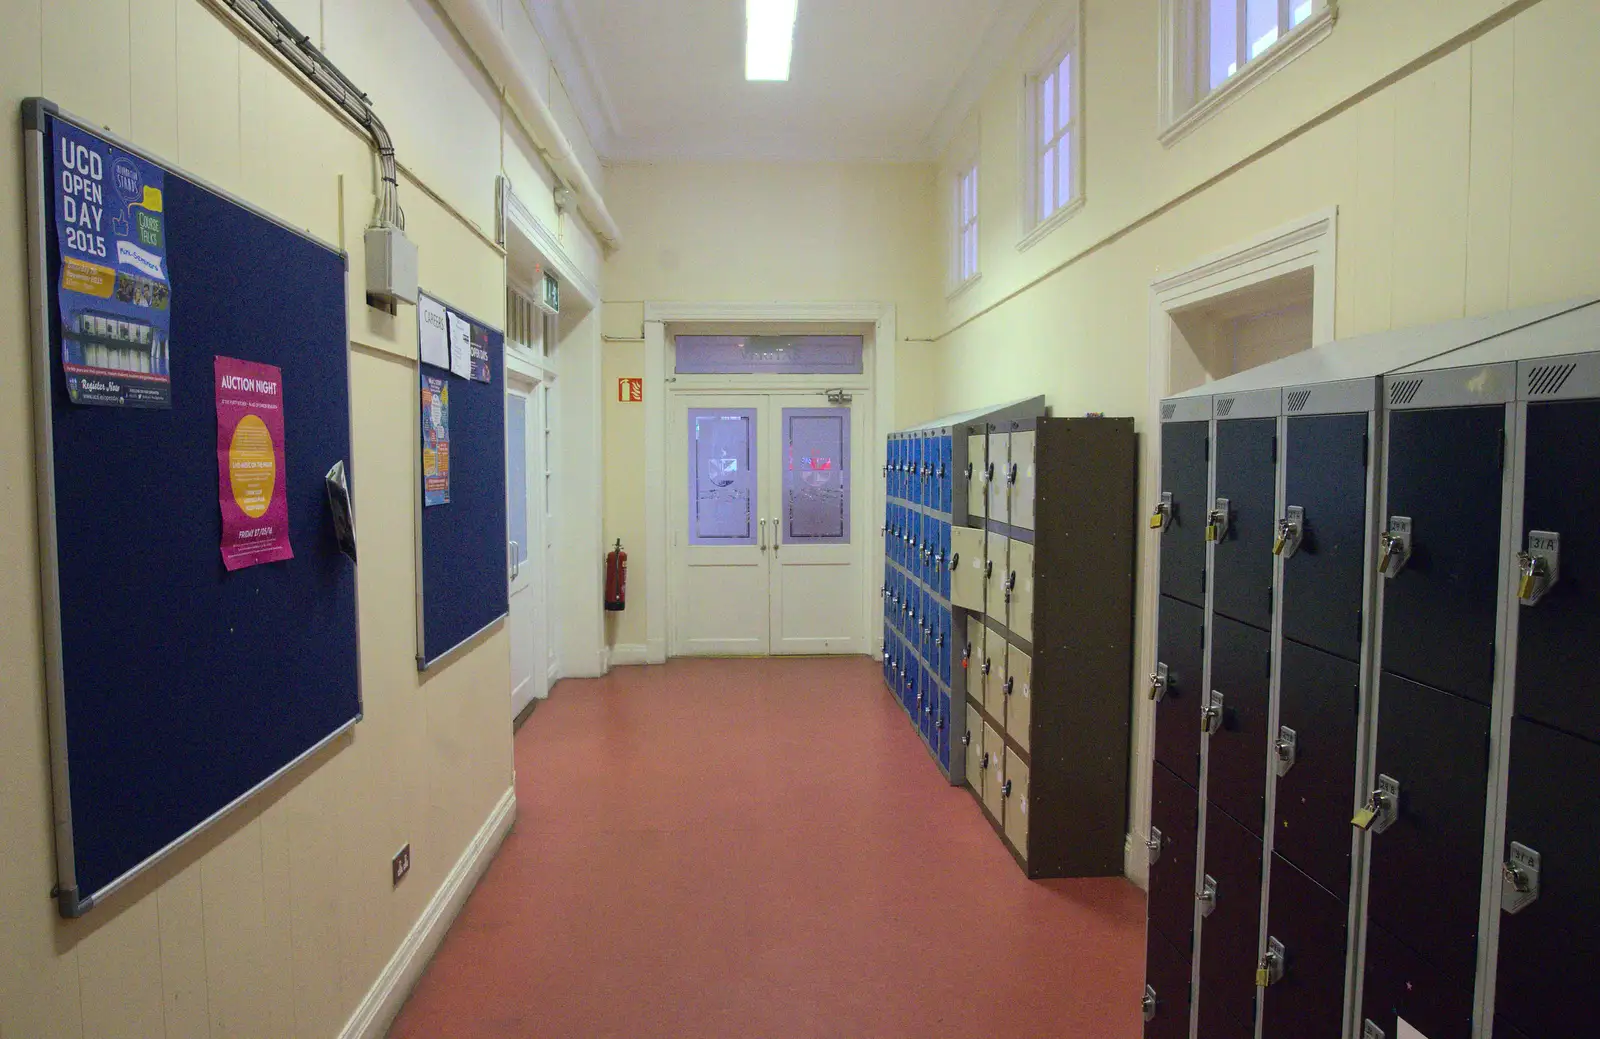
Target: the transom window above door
pixel 769 354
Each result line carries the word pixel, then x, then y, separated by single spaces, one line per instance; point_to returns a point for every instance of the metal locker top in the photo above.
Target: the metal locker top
pixel 1380 353
pixel 1575 330
pixel 1027 407
pixel 1186 409
pixel 1331 398
pixel 1451 387
pixel 1247 404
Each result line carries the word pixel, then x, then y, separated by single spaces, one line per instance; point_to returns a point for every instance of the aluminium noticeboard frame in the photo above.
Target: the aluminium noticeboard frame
pixel 70 901
pixel 426 663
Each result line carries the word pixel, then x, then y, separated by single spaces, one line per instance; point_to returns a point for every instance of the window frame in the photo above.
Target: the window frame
pixel 1067 41
pixel 1187 100
pixel 963 224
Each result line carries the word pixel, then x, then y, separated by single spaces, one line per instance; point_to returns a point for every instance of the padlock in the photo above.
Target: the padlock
pixel 1207 896
pixel 1211 716
pixel 1290 530
pixel 1519 879
pixel 1217 520
pixel 1540 566
pixel 1153 845
pixel 1159 682
pixel 1161 519
pixel 1394 547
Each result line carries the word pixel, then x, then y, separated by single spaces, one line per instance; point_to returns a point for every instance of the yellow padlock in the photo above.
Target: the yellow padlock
pixel 1211 532
pixel 1365 818
pixel 1526 589
pixel 1263 977
pixel 1277 546
pixel 1157 521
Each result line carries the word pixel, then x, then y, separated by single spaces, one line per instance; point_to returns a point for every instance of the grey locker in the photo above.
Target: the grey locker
pixel 1019 589
pixel 1436 746
pixel 1180 649
pixel 1549 954
pixel 1241 657
pixel 1325 475
pixel 1399 984
pixel 997 473
pixel 977 478
pixel 1229 936
pixel 1174 813
pixel 1184 475
pixel 1446 475
pixel 967 562
pixel 1024 469
pixel 1312 926
pixel 1166 988
pixel 1247 476
pixel 1319 702
pixel 1557 681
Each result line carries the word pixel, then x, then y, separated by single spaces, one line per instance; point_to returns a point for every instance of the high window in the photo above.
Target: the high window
pixel 964 245
pixel 1054 107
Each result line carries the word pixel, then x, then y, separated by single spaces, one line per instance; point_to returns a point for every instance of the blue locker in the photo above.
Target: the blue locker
pixel 924 548
pixel 893 475
pixel 947 475
pixel 914 473
pixel 947 621
pixel 922 470
pixel 929 695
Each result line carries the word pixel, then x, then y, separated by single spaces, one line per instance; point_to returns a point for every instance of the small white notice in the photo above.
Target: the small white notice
pixel 1403 1030
pixel 433 332
pixel 460 346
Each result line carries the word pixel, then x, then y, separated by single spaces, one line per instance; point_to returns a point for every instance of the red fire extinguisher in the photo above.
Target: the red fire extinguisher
pixel 616 579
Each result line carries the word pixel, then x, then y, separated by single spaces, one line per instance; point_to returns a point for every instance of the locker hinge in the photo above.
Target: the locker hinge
pixel 1208 449
pixel 1366 450
pixel 1202 580
pixel 1274 449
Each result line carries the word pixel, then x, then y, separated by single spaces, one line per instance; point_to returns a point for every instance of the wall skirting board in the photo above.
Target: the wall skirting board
pixel 631 654
pixel 388 994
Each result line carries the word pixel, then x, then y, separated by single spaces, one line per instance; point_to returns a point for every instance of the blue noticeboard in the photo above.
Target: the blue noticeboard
pixel 462 555
pixel 176 689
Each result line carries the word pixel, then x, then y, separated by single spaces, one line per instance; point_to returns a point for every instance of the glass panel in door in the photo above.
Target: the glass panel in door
pixel 816 476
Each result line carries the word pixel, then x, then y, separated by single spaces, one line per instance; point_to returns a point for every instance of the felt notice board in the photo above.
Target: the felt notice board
pixel 178 689
pixel 462 546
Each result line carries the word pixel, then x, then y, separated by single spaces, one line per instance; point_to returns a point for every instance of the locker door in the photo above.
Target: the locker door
pixel 946 640
pixel 1019 574
pixel 1022 456
pixel 1326 475
pixel 993 771
pixel 1019 695
pixel 1319 701
pixel 919 463
pixel 1015 793
pixel 1237 771
pixel 1167 976
pixel 974 747
pixel 1556 680
pixel 1247 477
pixel 943 728
pixel 997 471
pixel 1175 811
pixel 946 474
pixel 944 566
pixel 1439 612
pixel 977 478
pixel 1400 985
pixel 1313 925
pixel 994 677
pixel 967 558
pixel 995 573
pixel 1550 950
pixel 1183 543
pixel 1229 937
pixel 974 653
pixel 1181 647
pixel 927 695
pixel 1437 746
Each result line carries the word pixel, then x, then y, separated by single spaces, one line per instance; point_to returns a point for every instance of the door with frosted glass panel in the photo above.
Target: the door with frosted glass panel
pixel 719 598
pixel 525 522
pixel 815 598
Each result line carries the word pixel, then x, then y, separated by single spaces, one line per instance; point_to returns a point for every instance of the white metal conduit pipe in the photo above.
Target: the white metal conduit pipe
pixel 477 26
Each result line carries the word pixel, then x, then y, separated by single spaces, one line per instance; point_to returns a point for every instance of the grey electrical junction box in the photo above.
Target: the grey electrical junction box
pixel 391 265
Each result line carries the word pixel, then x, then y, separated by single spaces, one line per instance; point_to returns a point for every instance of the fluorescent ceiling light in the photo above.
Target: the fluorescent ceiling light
pixel 769 39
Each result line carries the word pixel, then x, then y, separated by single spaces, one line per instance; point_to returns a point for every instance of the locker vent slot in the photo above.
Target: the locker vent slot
pixel 1298 400
pixel 1167 411
pixel 1548 379
pixel 1405 392
pixel 1225 407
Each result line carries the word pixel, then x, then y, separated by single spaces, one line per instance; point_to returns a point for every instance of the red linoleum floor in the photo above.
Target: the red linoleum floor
pixel 763 848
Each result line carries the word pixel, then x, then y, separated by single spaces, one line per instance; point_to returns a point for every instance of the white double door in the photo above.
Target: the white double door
pixel 527 535
pixel 766 545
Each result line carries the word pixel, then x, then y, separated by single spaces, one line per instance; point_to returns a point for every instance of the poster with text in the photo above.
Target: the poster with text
pixel 480 354
pixel 251 472
pixel 115 293
pixel 435 441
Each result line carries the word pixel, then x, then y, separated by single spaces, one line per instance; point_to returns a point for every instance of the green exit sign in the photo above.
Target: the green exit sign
pixel 552 294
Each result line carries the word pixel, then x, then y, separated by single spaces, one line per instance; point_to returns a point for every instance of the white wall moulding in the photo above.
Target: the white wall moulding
pixel 491 47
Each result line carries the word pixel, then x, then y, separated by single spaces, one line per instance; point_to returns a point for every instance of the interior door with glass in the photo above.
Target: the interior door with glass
pixel 815 597
pixel 525 512
pixel 721 536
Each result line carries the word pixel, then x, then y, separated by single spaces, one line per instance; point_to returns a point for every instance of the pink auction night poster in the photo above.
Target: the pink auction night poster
pixel 250 464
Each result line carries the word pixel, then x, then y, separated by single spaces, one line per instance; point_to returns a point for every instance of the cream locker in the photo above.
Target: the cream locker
pixel 994 677
pixel 993 772
pixel 968 574
pixel 1014 793
pixel 1019 695
pixel 995 573
pixel 998 472
pixel 974 742
pixel 977 478
pixel 975 637
pixel 1019 590
pixel 1023 475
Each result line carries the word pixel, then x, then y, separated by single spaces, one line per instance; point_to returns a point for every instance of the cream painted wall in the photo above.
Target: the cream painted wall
pixel 278 921
pixel 742 232
pixel 1454 136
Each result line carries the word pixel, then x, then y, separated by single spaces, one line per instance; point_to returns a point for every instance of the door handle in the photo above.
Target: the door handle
pixel 516 560
pixel 777 539
pixel 763 541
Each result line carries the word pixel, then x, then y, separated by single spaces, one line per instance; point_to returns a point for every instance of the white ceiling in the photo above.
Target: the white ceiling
pixel 872 79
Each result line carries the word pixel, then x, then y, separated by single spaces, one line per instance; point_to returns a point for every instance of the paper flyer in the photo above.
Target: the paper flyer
pixel 251 473
pixel 480 354
pixel 460 345
pixel 435 441
pixel 115 293
pixel 433 332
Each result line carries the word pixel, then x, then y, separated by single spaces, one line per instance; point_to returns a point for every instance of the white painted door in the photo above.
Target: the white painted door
pixel 525 511
pixel 767 539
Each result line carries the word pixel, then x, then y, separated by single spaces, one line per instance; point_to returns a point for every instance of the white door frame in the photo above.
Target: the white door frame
pixel 881 379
